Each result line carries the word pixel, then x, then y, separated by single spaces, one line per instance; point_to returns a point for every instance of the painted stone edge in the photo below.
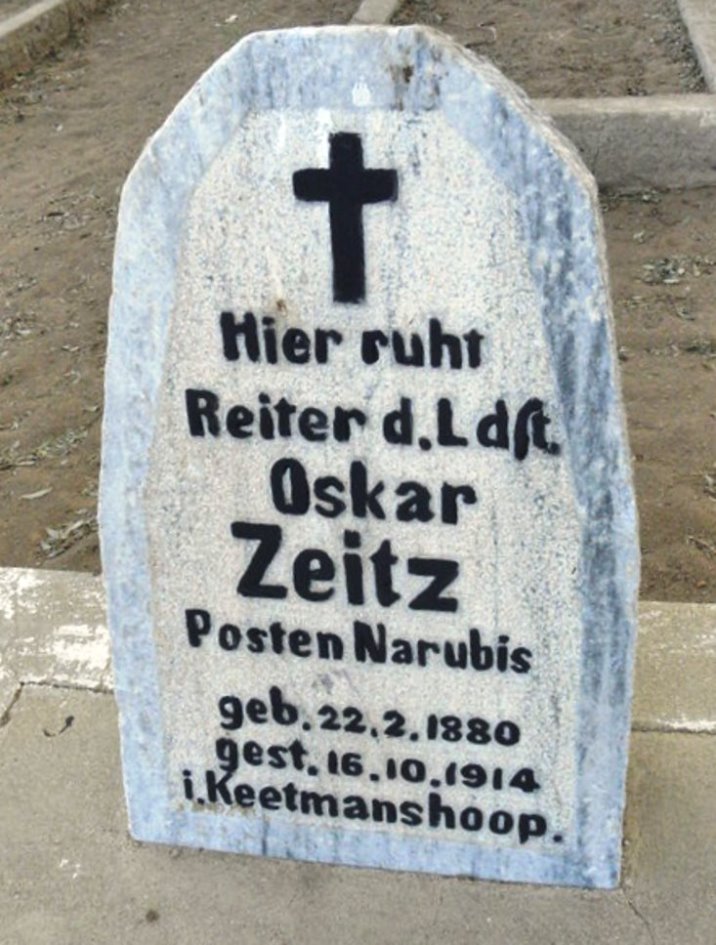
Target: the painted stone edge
pixel 423 66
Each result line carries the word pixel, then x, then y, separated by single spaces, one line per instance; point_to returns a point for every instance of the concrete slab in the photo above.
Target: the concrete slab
pixel 670 836
pixel 675 677
pixel 69 873
pixel 53 631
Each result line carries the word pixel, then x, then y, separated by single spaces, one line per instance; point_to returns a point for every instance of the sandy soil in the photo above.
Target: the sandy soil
pixel 569 48
pixel 69 134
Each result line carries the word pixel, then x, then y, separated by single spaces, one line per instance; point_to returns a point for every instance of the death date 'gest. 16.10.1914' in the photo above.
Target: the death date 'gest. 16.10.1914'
pixel 297 755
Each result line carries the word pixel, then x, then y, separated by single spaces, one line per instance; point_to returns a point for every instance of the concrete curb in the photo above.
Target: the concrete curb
pixel 665 141
pixel 30 35
pixel 53 632
pixel 699 17
pixel 376 12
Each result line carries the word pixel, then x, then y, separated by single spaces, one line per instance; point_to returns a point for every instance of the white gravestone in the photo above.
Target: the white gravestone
pixel 367 518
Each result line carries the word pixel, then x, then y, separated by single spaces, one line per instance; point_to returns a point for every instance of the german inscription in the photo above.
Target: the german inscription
pixel 372 561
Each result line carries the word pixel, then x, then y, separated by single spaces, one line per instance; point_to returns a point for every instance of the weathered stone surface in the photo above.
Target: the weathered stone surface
pixel 478 222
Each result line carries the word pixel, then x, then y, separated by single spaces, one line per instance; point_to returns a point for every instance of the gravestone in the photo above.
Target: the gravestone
pixel 368 527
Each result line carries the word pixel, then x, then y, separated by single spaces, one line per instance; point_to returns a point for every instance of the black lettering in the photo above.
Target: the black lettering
pixel 342 423
pixel 218 790
pixel 416 358
pixel 384 812
pixel 371 343
pixel 383 560
pixel 353 567
pixel 269 334
pixel 238 419
pixel 310 567
pixel 330 645
pixel 440 340
pixel 324 489
pixel 437 812
pixel 270 798
pixel 532 410
pixel 501 822
pixel 198 625
pixel 313 424
pixel 481 656
pixel 318 804
pixel 276 755
pixel 398 424
pixel 256 638
pixel 474 341
pixel 493 429
pixel 231 330
pixel 471 818
pixel 229 637
pixel 296 346
pixel 323 339
pixel 411 813
pixel 269 538
pixel 449 496
pixel 296 498
pixel 531 825
pixel 446 435
pixel 364 501
pixel 355 808
pixel 299 643
pixel 444 572
pixel 282 711
pixel 416 506
pixel 521 660
pixel 244 795
pixel 284 411
pixel 201 409
pixel 369 645
pixel 253 754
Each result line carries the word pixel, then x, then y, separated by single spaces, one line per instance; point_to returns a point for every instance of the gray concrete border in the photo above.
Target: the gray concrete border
pixel 376 12
pixel 53 632
pixel 699 17
pixel 31 34
pixel 661 141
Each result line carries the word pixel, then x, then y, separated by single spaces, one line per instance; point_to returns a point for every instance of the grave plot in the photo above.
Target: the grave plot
pixel 568 48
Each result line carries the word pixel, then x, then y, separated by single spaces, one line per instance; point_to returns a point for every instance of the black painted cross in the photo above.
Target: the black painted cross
pixel 346 186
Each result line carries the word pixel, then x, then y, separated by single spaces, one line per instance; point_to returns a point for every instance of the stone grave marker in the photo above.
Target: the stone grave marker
pixel 368 527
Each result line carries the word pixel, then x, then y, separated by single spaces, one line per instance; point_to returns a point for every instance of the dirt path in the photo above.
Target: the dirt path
pixel 68 136
pixel 571 48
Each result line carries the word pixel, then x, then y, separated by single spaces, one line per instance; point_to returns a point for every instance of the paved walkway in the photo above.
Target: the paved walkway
pixel 70 875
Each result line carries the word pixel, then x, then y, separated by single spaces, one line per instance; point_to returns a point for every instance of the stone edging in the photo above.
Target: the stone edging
pixel 375 12
pixel 53 632
pixel 662 141
pixel 699 17
pixel 32 33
